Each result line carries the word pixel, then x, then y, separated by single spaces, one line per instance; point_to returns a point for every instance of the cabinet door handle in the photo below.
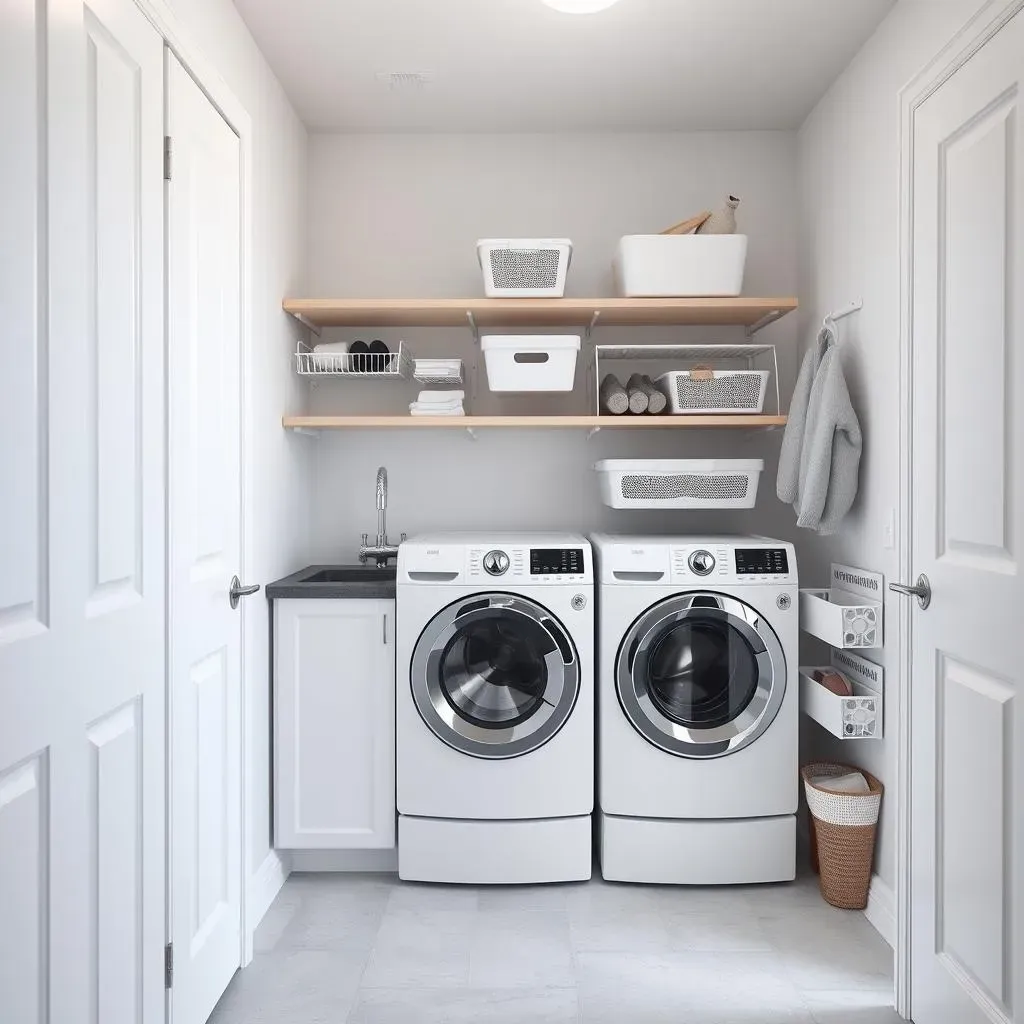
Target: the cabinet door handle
pixel 384 629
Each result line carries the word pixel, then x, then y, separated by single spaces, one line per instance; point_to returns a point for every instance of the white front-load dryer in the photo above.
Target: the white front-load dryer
pixel 495 708
pixel 698 709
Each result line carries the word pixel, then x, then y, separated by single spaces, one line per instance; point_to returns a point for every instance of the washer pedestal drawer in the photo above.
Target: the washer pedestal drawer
pixel 713 852
pixel 495 852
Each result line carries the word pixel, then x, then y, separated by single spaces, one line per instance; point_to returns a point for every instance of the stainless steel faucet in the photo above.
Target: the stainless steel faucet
pixel 382 550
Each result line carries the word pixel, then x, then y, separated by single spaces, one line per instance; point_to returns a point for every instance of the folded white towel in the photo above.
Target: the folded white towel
pixel 440 397
pixel 853 782
pixel 326 347
pixel 435 407
pixel 432 412
pixel 435 363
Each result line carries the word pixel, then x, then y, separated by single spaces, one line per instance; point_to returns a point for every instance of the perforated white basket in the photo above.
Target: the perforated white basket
pixel 715 391
pixel 679 483
pixel 525 268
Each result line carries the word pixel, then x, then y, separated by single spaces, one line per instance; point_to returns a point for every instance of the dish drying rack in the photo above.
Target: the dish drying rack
pixel 395 365
pixel 687 357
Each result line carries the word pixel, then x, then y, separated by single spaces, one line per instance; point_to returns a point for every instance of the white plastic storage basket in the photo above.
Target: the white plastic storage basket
pixel 715 391
pixel 525 362
pixel 667 265
pixel 525 268
pixel 679 483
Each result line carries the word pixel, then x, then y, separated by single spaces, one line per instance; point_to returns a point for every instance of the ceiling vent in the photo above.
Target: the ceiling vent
pixel 405 81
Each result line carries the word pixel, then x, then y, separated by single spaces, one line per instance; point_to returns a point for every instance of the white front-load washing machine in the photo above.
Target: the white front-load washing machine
pixel 495 708
pixel 697 709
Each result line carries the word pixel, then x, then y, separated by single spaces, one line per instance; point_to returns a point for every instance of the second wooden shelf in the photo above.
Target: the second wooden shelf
pixel 531 422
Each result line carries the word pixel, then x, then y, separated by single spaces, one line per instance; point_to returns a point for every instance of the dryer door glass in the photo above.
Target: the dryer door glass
pixel 701 675
pixel 495 676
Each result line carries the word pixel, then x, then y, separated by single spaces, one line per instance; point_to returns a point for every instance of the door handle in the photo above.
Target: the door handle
pixel 236 591
pixel 922 590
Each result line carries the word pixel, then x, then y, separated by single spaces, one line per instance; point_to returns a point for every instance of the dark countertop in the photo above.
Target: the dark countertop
pixel 349 581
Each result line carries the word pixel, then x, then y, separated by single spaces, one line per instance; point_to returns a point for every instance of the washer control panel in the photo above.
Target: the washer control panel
pixel 529 564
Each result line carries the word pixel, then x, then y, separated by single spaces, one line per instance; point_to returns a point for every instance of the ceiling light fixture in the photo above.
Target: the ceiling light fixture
pixel 579 6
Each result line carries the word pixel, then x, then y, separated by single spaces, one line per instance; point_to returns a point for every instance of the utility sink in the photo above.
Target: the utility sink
pixel 349 574
pixel 336 581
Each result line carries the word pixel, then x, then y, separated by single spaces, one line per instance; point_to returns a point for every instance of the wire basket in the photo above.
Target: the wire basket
pixel 395 365
pixel 426 371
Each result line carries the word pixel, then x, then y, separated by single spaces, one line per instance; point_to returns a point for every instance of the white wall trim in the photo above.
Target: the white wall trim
pixel 978 30
pixel 344 860
pixel 261 891
pixel 881 910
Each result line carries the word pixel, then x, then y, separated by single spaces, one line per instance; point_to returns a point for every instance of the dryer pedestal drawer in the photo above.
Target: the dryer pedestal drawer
pixel 722 852
pixel 495 852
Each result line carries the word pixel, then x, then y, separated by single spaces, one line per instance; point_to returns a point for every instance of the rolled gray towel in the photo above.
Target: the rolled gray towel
pixel 638 400
pixel 656 400
pixel 613 396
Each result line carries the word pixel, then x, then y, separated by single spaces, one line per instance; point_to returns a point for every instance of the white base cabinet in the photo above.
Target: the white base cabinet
pixel 334 724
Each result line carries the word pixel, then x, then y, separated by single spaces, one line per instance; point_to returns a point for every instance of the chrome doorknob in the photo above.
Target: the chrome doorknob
pixel 922 590
pixel 236 591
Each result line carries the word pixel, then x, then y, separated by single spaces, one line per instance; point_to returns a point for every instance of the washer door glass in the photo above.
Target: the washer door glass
pixel 701 675
pixel 495 676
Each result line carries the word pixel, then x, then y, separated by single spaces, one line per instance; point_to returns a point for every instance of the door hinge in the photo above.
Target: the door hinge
pixel 169 965
pixel 167 158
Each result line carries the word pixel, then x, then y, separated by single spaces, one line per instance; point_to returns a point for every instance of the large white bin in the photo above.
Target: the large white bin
pixel 687 266
pixel 529 362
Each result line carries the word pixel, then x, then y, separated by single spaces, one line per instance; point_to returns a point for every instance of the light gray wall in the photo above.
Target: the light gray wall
pixel 399 215
pixel 849 248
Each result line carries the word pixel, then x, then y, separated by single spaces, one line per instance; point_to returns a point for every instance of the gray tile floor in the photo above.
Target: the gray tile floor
pixel 368 949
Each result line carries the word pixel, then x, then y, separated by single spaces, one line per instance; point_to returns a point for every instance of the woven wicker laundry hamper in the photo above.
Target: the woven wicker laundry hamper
pixel 843 827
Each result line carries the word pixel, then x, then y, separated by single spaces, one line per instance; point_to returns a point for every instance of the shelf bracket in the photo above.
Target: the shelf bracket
pixel 306 431
pixel 768 318
pixel 593 323
pixel 592 431
pixel 473 325
pixel 472 434
pixel 307 323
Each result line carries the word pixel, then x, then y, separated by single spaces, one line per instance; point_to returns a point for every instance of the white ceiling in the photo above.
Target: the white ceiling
pixel 516 65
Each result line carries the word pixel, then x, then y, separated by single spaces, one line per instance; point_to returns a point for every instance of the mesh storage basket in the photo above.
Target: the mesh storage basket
pixel 526 268
pixel 679 483
pixel 843 827
pixel 715 391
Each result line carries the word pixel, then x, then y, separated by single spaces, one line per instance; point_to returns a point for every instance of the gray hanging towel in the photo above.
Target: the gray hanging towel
pixel 819 466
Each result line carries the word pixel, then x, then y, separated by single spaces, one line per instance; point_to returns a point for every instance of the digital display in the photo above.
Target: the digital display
pixel 761 561
pixel 556 561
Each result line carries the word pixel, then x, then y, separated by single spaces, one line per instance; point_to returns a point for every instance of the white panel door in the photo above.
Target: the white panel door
pixel 82 579
pixel 334 724
pixel 967 917
pixel 204 367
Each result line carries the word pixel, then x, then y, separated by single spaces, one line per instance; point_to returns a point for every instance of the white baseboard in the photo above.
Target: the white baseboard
pixel 344 860
pixel 260 892
pixel 881 910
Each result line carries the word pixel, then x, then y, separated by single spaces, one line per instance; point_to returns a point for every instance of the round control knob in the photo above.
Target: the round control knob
pixel 496 563
pixel 702 562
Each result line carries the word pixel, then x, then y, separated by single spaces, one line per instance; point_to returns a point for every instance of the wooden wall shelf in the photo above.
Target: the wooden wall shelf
pixel 531 422
pixel 752 313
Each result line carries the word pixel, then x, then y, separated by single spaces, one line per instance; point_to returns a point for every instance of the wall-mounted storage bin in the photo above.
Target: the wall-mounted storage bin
pixel 524 362
pixel 849 613
pixel 679 483
pixel 662 266
pixel 525 268
pixel 850 718
pixel 714 391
